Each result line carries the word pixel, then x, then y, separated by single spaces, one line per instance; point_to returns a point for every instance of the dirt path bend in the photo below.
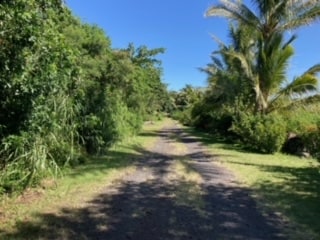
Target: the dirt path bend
pixel 148 205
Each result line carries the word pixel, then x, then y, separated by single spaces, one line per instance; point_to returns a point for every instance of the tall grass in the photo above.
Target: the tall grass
pixel 47 144
pixel 78 185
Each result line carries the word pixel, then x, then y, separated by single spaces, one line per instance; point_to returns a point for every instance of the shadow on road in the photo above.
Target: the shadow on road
pixel 144 208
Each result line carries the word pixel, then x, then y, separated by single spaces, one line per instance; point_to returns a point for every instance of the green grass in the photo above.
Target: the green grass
pixel 286 184
pixel 78 185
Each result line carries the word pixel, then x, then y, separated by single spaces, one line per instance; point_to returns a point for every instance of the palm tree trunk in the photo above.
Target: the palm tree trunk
pixel 261 100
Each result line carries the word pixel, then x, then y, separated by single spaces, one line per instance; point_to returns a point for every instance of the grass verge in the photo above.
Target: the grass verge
pixel 285 184
pixel 78 185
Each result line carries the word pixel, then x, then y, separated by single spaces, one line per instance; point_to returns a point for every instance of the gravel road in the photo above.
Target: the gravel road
pixel 142 206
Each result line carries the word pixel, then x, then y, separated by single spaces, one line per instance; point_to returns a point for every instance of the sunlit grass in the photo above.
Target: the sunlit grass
pixel 77 187
pixel 285 184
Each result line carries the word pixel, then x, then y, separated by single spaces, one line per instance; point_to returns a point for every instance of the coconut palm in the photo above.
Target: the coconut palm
pixel 226 78
pixel 266 63
pixel 271 16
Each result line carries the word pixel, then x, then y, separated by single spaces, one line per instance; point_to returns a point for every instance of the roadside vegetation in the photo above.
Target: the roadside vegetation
pixel 261 125
pixel 65 94
pixel 72 106
pixel 78 186
pixel 249 97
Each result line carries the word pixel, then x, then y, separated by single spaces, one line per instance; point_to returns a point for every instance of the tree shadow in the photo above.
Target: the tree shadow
pixel 145 208
pixel 228 143
pixel 114 159
pixel 297 191
pixel 117 159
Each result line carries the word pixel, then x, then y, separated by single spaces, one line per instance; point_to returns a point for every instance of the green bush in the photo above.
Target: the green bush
pixel 263 133
pixel 300 119
pixel 214 122
pixel 311 141
pixel 217 122
pixel 183 116
pixel 65 93
pixel 216 117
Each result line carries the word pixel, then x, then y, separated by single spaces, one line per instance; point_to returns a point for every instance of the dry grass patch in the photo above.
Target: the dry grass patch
pixel 188 185
pixel 188 182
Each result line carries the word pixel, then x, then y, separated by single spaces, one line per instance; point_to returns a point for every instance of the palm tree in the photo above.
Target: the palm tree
pixel 225 74
pixel 187 96
pixel 266 64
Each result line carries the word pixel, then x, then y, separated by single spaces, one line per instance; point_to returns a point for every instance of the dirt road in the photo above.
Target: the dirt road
pixel 155 202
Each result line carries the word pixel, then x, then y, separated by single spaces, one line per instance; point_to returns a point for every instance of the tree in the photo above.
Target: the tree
pixel 266 67
pixel 38 76
pixel 226 78
pixel 187 97
pixel 64 91
pixel 119 89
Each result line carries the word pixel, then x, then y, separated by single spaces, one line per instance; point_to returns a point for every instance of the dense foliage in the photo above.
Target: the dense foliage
pixel 249 97
pixel 64 92
pixel 183 102
pixel 264 133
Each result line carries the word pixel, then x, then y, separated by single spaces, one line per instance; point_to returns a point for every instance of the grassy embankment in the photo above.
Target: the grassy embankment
pixel 286 184
pixel 78 185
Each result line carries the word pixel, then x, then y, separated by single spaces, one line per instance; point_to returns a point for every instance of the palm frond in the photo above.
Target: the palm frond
pixel 303 17
pixel 218 41
pixel 307 83
pixel 278 11
pixel 217 62
pixel 234 10
pixel 313 70
pixel 210 69
pixel 301 85
pixel 280 63
pixel 293 37
pixel 245 65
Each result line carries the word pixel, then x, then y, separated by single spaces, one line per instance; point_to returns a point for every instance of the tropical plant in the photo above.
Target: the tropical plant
pixel 184 101
pixel 187 96
pixel 263 133
pixel 64 91
pixel 38 79
pixel 226 78
pixel 266 68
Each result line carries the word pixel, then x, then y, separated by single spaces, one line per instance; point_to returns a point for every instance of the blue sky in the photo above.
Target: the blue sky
pixel 181 28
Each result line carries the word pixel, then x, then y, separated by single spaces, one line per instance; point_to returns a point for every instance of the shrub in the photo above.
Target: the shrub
pixel 264 133
pixel 207 117
pixel 302 118
pixel 311 140
pixel 183 116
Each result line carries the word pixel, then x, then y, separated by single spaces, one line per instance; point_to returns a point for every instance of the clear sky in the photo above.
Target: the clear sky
pixel 181 28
